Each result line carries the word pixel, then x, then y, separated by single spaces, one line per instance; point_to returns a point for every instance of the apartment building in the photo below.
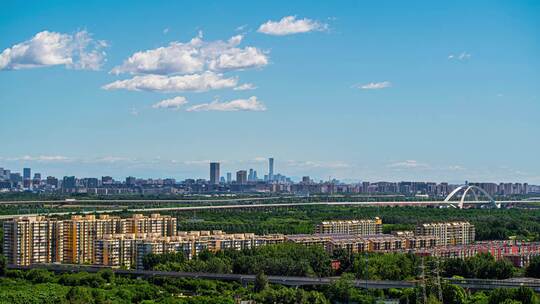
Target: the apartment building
pixel 448 233
pixel 358 227
pixel 128 250
pixel 81 232
pixel 156 223
pixel 362 243
pixel 31 240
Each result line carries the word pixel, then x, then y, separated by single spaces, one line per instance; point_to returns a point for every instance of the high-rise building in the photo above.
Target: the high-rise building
pixel 27 173
pixel 271 169
pixel 130 181
pixel 163 225
pixel 107 180
pixel 15 178
pixel 69 182
pixel 241 177
pixel 229 177
pixel 33 240
pixel 214 173
pixel 358 227
pixel 80 232
pixel 448 233
pixel 92 182
pixel 52 181
pixel 27 178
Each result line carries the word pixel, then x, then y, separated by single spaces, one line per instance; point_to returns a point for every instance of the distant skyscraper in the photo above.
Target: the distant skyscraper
pixel 69 182
pixel 130 180
pixel 241 177
pixel 250 175
pixel 27 172
pixel 229 177
pixel 214 173
pixel 271 168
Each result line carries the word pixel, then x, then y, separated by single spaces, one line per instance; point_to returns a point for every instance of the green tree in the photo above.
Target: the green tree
pixel 3 265
pixel 533 269
pixel 79 295
pixel 453 294
pixel 39 276
pixel 261 282
pixel 525 295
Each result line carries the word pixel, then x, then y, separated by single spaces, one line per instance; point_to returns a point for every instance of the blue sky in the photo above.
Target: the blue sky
pixel 363 90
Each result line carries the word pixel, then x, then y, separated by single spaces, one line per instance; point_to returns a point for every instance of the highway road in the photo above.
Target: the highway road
pixel 294 281
pixel 258 205
pixel 80 201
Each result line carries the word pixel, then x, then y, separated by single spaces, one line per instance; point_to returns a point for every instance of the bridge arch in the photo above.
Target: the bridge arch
pixel 466 189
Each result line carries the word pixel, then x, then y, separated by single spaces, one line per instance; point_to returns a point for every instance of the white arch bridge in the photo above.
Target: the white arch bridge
pixel 474 190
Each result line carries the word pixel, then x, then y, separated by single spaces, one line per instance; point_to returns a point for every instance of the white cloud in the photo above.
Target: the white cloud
pixel 77 51
pixel 318 164
pixel 408 164
pixel 241 28
pixel 172 103
pixel 375 85
pixel 238 59
pixel 165 30
pixel 251 104
pixel 462 57
pixel 194 82
pixel 110 159
pixel 194 56
pixel 290 25
pixel 245 87
pixel 456 168
pixel 40 158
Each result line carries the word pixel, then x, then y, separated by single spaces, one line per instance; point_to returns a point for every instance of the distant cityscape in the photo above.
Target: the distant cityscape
pixel 242 181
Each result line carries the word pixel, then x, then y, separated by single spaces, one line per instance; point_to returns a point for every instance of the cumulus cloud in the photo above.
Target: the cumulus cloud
pixel 245 87
pixel 159 83
pixel 194 56
pixel 375 85
pixel 290 25
pixel 77 51
pixel 172 103
pixel 250 104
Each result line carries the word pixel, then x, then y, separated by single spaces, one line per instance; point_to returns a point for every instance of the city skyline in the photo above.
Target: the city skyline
pixel 359 91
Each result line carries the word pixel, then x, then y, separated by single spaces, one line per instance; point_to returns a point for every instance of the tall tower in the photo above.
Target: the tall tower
pixel 270 168
pixel 27 172
pixel 214 173
pixel 241 177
